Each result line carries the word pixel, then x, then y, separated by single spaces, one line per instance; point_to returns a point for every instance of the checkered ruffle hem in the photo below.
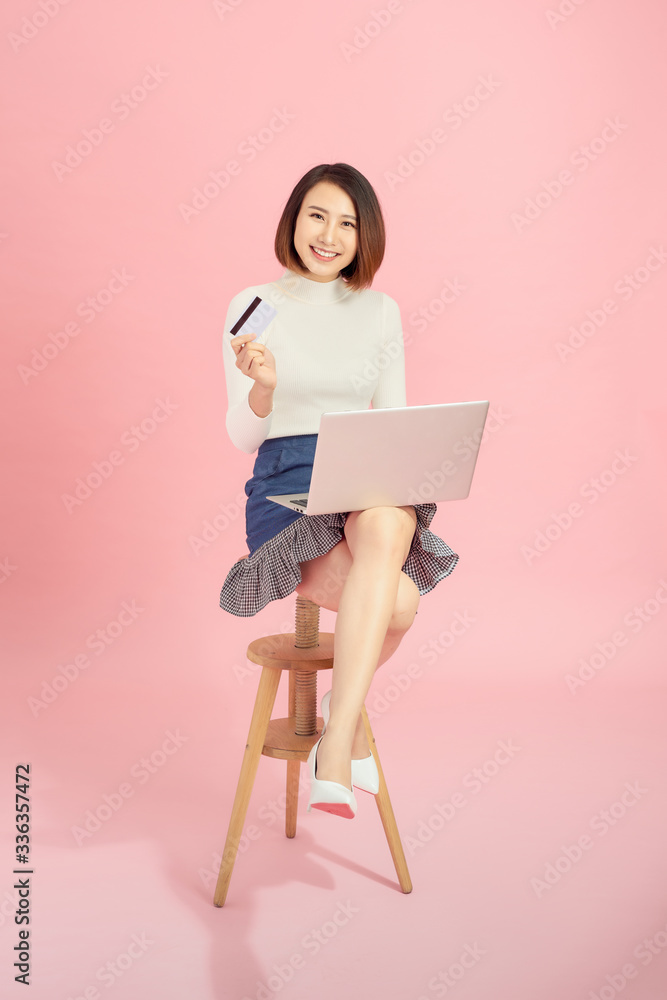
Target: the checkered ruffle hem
pixel 272 571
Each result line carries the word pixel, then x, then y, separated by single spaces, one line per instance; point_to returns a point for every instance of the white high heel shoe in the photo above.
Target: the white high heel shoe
pixel 364 772
pixel 329 796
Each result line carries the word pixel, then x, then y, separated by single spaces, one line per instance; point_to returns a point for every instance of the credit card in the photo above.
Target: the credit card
pixel 255 318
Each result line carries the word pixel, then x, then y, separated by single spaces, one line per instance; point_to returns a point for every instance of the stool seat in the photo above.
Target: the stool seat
pixel 302 654
pixel 279 651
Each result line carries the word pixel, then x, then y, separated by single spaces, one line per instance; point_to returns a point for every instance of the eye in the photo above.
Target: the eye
pixel 318 215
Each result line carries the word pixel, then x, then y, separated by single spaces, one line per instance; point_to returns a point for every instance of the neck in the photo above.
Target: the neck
pixel 307 290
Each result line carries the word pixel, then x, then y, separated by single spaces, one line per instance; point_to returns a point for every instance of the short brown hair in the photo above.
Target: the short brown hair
pixel 370 224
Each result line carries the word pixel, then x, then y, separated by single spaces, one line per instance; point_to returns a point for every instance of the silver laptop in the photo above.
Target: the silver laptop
pixel 392 457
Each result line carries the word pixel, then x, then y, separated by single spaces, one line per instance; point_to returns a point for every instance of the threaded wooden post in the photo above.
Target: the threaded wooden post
pixel 306 703
pixel 307 627
pixel 306 635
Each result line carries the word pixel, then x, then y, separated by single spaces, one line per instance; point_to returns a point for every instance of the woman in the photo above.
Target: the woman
pixel 336 345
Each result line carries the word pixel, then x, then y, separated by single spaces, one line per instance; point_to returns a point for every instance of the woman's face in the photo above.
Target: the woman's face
pixel 326 221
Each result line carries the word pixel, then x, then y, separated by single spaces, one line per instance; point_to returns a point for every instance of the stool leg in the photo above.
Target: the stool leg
pixel 303 708
pixel 266 696
pixel 292 785
pixel 292 796
pixel 387 815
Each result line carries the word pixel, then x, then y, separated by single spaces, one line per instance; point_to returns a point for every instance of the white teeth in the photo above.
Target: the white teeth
pixel 324 253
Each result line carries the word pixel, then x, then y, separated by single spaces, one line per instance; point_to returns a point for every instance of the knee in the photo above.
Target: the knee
pixel 405 608
pixel 383 528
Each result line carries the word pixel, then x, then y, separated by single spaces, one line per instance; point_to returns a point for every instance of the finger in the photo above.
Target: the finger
pixel 247 360
pixel 250 351
pixel 243 358
pixel 240 347
pixel 257 361
pixel 242 339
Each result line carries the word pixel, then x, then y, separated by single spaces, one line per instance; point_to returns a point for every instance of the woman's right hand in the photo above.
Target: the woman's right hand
pixel 255 360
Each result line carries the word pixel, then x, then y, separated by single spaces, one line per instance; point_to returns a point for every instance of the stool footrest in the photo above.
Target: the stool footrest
pixel 282 742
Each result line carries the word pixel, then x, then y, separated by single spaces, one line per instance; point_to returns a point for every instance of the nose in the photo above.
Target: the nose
pixel 328 234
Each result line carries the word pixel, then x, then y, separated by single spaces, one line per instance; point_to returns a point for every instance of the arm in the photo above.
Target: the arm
pixel 390 389
pixel 249 405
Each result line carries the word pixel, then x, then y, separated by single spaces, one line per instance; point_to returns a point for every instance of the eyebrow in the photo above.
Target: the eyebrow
pixel 324 210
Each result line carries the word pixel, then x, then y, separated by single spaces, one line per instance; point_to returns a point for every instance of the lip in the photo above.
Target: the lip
pixel 314 248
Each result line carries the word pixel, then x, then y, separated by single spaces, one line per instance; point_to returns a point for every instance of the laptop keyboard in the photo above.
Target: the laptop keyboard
pixel 301 503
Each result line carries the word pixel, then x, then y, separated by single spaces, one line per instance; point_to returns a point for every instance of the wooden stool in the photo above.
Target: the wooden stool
pixel 302 652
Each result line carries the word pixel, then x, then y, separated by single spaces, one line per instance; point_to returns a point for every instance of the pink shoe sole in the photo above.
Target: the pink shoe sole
pixel 337 808
pixel 329 796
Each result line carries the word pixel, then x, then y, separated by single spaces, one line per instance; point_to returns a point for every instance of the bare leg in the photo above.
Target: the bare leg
pixel 391 643
pixel 379 541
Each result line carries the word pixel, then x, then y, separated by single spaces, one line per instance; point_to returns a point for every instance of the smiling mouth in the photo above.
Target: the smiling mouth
pixel 324 255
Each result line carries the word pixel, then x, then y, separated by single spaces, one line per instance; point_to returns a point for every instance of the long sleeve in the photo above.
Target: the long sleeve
pixel 390 390
pixel 335 349
pixel 246 430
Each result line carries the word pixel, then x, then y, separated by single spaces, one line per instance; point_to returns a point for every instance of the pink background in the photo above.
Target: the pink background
pixel 545 592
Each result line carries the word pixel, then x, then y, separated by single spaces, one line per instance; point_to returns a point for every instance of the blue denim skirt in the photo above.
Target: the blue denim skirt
pixel 283 465
pixel 280 539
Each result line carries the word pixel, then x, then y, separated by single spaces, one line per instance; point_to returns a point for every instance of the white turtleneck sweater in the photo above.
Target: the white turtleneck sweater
pixel 335 349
